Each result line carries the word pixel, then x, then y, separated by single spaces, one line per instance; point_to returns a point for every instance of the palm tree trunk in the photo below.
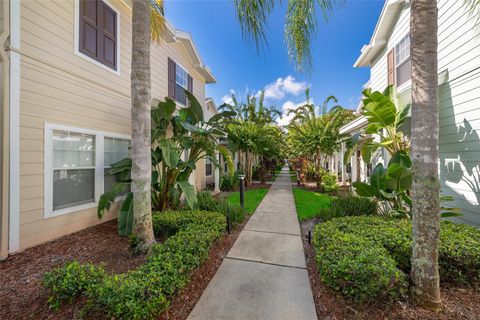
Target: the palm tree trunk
pixel 141 142
pixel 426 185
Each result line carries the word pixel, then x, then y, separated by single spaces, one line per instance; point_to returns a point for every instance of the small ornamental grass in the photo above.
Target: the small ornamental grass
pixel 145 292
pixel 349 206
pixel 367 258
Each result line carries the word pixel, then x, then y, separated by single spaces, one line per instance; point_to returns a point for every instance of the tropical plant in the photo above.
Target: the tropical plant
pixel 252 134
pixel 179 141
pixel 316 136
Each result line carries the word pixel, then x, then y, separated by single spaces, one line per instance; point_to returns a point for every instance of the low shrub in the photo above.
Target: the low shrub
pixel 70 280
pixel 350 250
pixel 229 182
pixel 349 206
pixel 145 292
pixel 206 201
pixel 357 268
pixel 329 182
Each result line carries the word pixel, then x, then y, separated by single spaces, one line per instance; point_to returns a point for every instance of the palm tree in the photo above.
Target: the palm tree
pixel 147 24
pixel 424 149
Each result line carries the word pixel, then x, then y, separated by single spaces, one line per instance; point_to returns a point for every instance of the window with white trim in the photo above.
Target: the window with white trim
pixel 402 60
pixel 208 167
pixel 73 169
pixel 181 84
pixel 115 149
pixel 76 160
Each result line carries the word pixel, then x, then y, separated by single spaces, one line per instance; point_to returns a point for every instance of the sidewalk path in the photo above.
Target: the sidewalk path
pixel 264 275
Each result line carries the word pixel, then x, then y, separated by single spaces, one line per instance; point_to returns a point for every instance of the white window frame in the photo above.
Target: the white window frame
pixel 76 39
pixel 99 167
pixel 404 86
pixel 186 88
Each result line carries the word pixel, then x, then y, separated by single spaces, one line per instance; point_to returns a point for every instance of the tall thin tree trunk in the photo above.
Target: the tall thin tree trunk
pixel 141 142
pixel 426 185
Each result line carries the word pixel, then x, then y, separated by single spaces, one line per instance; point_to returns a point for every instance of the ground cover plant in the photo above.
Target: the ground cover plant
pixel 144 292
pixel 348 206
pixel 309 203
pixel 206 201
pixel 366 258
pixel 252 199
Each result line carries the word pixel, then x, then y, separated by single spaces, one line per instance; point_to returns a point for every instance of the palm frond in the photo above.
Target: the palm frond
pixel 253 18
pixel 473 7
pixel 157 20
pixel 301 27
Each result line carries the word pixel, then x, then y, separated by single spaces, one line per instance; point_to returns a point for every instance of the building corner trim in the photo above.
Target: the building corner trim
pixel 14 124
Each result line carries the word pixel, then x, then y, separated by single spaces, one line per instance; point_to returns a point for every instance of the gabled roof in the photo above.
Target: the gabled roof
pixel 384 26
pixel 174 35
pixel 211 102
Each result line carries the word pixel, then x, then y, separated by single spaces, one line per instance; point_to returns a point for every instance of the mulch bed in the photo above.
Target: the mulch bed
pixel 22 295
pixel 458 303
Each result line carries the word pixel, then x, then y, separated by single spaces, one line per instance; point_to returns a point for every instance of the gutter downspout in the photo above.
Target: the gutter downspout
pixel 4 128
pixel 13 51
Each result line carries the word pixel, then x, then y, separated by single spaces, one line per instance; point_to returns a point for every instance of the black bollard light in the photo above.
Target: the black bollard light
pixel 242 190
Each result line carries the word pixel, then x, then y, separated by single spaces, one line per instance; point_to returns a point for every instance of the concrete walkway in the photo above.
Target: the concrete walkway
pixel 264 275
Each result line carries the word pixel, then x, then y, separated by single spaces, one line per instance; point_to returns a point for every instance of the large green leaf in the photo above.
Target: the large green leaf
pixel 165 109
pixel 377 180
pixel 402 158
pixel 125 216
pixel 398 178
pixel 189 192
pixel 364 189
pixel 170 153
pixel 192 128
pixel 368 149
pixel 195 108
pixel 108 198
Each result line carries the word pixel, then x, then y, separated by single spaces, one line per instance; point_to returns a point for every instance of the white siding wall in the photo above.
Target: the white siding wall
pixel 459 101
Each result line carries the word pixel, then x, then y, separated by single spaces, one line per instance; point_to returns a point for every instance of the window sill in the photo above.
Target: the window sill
pixel 61 212
pixel 404 87
pixel 99 64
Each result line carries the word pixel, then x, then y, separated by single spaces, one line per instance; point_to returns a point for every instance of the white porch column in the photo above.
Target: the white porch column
pixel 342 155
pixel 217 173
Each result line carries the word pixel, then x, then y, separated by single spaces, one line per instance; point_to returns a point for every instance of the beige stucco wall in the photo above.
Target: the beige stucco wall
pixel 60 87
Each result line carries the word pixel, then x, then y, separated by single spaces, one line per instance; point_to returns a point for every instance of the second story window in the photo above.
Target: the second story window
pixel 181 84
pixel 97 32
pixel 402 60
pixel 178 81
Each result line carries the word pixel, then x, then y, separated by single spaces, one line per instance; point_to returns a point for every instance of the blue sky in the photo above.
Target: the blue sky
pixel 237 66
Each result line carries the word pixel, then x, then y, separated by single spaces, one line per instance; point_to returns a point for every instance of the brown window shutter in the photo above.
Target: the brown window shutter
pixel 171 79
pixel 190 84
pixel 108 36
pixel 391 67
pixel 98 32
pixel 88 25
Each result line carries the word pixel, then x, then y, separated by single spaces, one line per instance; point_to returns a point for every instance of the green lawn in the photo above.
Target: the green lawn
pixel 252 199
pixel 309 203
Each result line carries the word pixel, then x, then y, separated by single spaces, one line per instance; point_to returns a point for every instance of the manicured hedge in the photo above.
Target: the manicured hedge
pixel 368 257
pixel 145 292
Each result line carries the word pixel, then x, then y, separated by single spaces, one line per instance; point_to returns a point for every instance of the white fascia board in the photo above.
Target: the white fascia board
pixel 358 123
pixel 382 30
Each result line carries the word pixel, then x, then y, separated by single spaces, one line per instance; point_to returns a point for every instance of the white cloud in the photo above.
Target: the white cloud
pixel 228 98
pixel 286 107
pixel 282 86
